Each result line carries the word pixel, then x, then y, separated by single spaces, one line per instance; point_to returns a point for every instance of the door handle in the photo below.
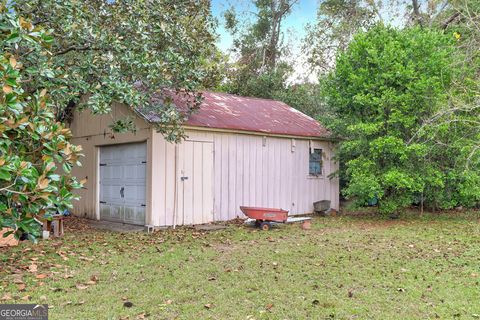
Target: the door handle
pixel 183 178
pixel 122 189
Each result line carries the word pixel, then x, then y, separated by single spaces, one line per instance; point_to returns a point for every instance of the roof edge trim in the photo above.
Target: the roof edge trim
pixel 259 133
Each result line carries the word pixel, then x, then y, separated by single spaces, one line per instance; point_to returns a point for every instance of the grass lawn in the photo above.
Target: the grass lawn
pixel 343 268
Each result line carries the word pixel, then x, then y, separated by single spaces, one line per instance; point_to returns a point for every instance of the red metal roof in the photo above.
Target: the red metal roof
pixel 228 111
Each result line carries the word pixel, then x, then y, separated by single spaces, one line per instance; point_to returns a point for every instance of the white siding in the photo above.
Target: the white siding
pixel 250 174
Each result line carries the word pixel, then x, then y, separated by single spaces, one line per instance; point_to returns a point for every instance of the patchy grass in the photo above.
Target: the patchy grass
pixel 343 268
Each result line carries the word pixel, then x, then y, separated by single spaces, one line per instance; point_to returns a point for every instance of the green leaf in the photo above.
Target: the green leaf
pixel 5 175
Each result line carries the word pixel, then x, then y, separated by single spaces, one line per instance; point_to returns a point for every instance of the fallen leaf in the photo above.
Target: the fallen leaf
pixel 86 258
pixel 41 276
pixel 168 302
pixel 27 297
pixel 81 286
pixel 208 306
pixel 13 61
pixel 21 287
pixel 269 306
pixel 43 298
pixel 32 268
pixel 7 89
pixel 6 297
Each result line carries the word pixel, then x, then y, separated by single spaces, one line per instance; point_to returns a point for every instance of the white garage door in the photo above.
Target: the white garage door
pixel 123 183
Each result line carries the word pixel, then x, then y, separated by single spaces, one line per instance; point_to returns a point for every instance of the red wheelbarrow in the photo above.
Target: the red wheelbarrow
pixel 265 216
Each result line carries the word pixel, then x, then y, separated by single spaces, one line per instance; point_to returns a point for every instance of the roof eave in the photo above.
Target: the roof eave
pixel 260 133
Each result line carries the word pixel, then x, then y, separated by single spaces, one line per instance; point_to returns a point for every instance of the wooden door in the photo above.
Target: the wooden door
pixel 195 183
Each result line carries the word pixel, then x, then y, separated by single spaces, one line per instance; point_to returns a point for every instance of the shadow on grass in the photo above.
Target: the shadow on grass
pixel 412 214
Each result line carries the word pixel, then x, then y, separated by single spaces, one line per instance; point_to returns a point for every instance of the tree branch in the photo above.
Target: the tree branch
pixel 450 20
pixel 75 48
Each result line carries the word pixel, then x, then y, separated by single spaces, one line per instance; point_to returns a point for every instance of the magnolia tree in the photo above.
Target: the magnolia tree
pixel 36 156
pixel 126 51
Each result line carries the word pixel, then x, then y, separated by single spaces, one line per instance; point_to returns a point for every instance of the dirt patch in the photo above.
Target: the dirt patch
pixel 76 224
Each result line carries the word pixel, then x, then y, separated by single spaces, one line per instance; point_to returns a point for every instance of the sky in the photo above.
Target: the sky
pixel 305 11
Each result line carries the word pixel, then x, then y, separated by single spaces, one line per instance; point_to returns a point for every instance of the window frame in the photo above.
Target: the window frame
pixel 320 161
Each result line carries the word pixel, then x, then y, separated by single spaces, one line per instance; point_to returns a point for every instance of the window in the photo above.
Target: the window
pixel 315 168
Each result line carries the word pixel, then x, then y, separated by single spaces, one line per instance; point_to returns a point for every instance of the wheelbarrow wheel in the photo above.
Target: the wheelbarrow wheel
pixel 265 226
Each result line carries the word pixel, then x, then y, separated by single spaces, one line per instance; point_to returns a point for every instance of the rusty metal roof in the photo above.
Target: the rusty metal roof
pixel 232 112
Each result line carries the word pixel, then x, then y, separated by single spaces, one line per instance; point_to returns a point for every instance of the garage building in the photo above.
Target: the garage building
pixel 239 152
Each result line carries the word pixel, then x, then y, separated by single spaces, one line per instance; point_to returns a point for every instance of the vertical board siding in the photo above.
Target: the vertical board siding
pixel 188 170
pixel 240 160
pixel 222 165
pixel 248 173
pixel 168 179
pixel 208 180
pixel 232 172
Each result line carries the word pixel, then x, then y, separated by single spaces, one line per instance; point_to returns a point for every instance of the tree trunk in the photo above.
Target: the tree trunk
pixel 272 46
pixel 421 205
pixel 417 18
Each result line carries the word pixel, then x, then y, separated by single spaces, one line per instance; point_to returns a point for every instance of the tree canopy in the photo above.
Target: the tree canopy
pixel 123 50
pixel 384 86
pixel 259 49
